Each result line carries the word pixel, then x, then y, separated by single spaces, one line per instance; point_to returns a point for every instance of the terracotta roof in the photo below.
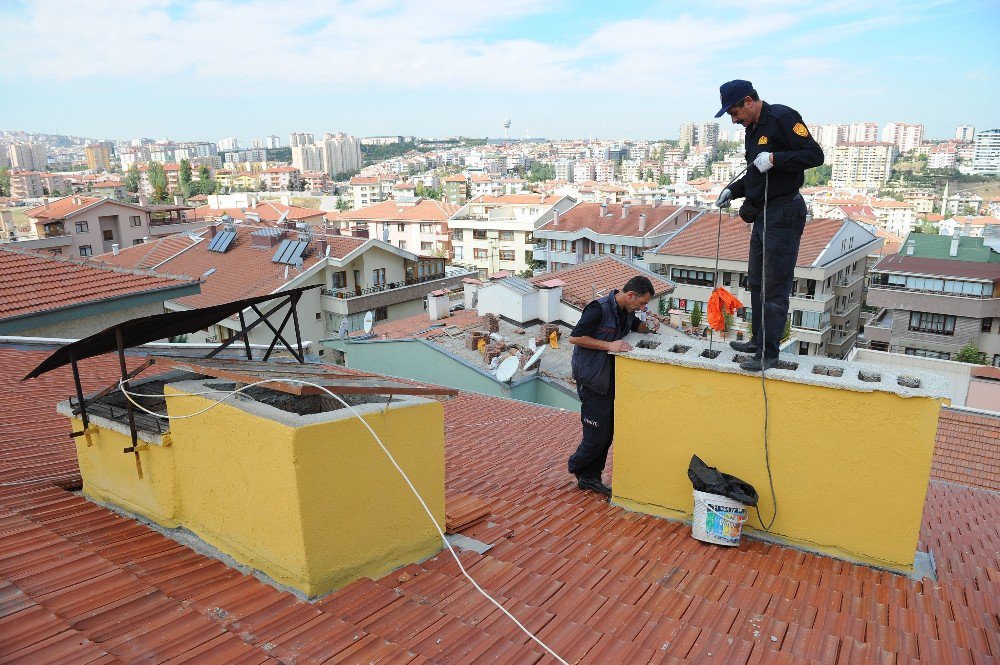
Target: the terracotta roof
pixel 455 178
pixel 267 211
pixel 601 274
pixel 420 325
pixel 364 180
pixel 517 199
pixel 63 207
pixel 918 265
pixel 588 216
pixel 31 283
pixel 699 239
pixel 968 449
pixel 597 583
pixel 241 272
pixel 425 210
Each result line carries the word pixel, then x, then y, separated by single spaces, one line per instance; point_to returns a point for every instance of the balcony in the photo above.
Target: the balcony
pixel 540 252
pixel 846 311
pixel 347 301
pixel 892 296
pixel 843 339
pixel 846 284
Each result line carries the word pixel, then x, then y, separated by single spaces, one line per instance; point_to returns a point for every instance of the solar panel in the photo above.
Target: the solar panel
pixel 222 241
pixel 289 251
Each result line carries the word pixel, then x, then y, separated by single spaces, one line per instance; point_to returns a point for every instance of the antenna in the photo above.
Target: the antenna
pixel 506 369
pixel 369 320
pixel 535 358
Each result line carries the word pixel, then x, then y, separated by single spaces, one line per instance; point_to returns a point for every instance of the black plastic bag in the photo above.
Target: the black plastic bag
pixel 706 478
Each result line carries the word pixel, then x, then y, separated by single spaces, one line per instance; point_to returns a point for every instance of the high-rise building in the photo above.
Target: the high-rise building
pixel 705 133
pixel 307 158
pixel 986 159
pixel 230 143
pixel 298 139
pixel 829 136
pixel 98 157
pixel 272 141
pixel 906 136
pixel 862 165
pixel 28 156
pixel 341 154
pixel 564 169
pixel 965 133
pixel 863 132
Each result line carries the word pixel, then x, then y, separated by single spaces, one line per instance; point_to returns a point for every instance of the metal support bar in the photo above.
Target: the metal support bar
pixel 246 338
pixel 113 387
pixel 79 391
pixel 243 333
pixel 278 336
pixel 295 322
pixel 128 403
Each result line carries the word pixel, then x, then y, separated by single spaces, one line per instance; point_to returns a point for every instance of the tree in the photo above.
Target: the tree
pixel 670 303
pixel 728 319
pixel 662 307
pixel 788 330
pixel 540 171
pixel 157 180
pixel 664 180
pixel 343 205
pixel 206 184
pixel 819 176
pixel 970 353
pixel 4 182
pixel 696 315
pixel 132 179
pixel 649 174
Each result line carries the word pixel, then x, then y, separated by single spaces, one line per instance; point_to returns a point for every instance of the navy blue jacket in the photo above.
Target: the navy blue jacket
pixel 594 368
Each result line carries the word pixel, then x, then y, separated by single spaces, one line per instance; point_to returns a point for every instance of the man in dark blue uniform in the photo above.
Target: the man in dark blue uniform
pixel 778 151
pixel 602 325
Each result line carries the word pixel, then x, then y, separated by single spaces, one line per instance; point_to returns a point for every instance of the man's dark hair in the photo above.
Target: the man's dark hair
pixel 640 285
pixel 753 95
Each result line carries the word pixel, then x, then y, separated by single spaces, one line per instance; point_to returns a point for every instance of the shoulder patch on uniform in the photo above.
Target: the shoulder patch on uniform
pixel 762 140
pixel 800 129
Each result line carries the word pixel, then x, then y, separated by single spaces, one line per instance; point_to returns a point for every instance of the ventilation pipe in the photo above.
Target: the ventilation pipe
pixel 642 222
pixel 114 249
pixel 624 210
pixel 955 238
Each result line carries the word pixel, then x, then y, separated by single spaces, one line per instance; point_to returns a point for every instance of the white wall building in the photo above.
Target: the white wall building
pixel 906 136
pixel 862 165
pixel 986 159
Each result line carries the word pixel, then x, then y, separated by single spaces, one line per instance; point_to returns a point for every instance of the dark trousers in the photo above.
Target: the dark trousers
pixel 785 222
pixel 597 413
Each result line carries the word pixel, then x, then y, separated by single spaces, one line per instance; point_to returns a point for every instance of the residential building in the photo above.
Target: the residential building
pixel 978 226
pixel 588 231
pixel 703 134
pixel 961 203
pixel 381 140
pixel 341 154
pixel 98 157
pixel 280 178
pixel 57 184
pixel 26 184
pixel 865 166
pixel 456 190
pixel 315 181
pixel 564 169
pixel 863 132
pixel 300 139
pixel 923 202
pixel 365 191
pixel 307 158
pixel 494 233
pixel 28 156
pixel 906 136
pixel 895 217
pixel 415 224
pixel 825 306
pixel 135 155
pixel 86 226
pixel 45 296
pixel 358 275
pixel 829 136
pixel 481 185
pixel 231 143
pixel 937 294
pixel 942 156
pixel 986 159
pixel 965 133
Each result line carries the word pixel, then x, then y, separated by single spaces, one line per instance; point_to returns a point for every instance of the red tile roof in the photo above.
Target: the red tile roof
pixel 968 449
pixel 241 272
pixel 63 207
pixel 31 283
pixel 700 237
pixel 588 216
pixel 425 210
pixel 601 275
pixel 517 199
pixel 420 325
pixel 597 583
pixel 267 211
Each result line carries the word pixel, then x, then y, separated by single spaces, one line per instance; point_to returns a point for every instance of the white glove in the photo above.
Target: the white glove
pixel 763 162
pixel 725 198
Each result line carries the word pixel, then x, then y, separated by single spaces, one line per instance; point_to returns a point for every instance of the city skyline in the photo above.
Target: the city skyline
pixel 558 70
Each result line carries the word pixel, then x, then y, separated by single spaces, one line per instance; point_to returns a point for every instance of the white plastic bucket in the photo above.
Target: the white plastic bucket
pixel 717 519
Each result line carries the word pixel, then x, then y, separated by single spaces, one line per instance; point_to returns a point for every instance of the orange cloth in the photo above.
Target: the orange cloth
pixel 720 303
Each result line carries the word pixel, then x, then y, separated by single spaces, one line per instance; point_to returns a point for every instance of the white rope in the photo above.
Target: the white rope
pixel 385 450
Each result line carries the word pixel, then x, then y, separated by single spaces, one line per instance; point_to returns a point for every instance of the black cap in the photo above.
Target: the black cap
pixel 732 92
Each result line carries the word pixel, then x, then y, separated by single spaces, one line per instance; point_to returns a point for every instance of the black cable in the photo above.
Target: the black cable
pixel 763 382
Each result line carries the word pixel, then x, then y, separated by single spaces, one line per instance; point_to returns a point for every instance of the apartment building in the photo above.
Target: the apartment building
pixel 825 306
pixel 279 178
pixel 942 156
pixel 87 225
pixel 334 154
pixel 896 217
pixel 26 184
pixel 863 132
pixel 904 135
pixel 986 158
pixel 588 231
pixel 456 190
pixel 57 184
pixel 28 156
pixel 413 224
pixel 865 166
pixel 494 233
pixel 564 169
pixel 965 133
pixel 936 295
pixel 703 134
pixel 98 157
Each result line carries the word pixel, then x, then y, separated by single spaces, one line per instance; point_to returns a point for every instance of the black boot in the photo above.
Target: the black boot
pixel 744 347
pixel 759 364
pixel 592 484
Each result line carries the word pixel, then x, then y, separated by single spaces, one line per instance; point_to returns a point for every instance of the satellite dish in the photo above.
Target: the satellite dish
pixel 536 356
pixel 283 217
pixel 506 369
pixel 369 320
pixel 343 329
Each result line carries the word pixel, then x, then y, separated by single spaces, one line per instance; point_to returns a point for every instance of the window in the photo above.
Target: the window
pixel 135 220
pixel 600 248
pixel 482 253
pixel 939 324
pixel 86 250
pixel 563 246
pixel 378 276
pixel 427 228
pixel 458 234
pixel 109 234
pixel 727 279
pixel 458 252
pixel 55 252
pixel 927 353
pixel 507 236
pixel 401 227
pixel 340 279
pixel 479 234
pixel 426 247
pixel 381 313
pixel 612 250
pixel 987 324
pixel 402 244
pixel 507 255
pixel 82 227
pixel 693 277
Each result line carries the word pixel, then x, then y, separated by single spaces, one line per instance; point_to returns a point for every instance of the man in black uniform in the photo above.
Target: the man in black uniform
pixel 778 150
pixel 601 327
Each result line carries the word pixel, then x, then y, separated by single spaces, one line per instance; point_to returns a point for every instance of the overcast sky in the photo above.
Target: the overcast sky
pixel 215 68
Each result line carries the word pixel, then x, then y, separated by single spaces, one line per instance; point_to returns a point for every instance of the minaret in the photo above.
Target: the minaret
pixel 944 198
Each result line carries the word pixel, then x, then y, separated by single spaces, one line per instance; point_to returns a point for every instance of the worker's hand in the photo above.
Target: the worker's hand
pixel 764 162
pixel 725 198
pixel 652 324
pixel 619 346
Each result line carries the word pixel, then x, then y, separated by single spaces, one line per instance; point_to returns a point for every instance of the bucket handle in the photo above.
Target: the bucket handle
pixel 736 522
